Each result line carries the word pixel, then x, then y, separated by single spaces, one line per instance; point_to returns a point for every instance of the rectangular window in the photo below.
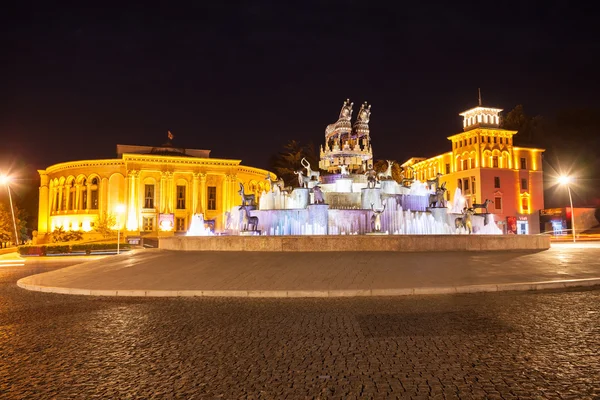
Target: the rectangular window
pixel 523 163
pixel 523 184
pixel 494 139
pixel 465 164
pixel 148 222
pixel 447 168
pixel 498 203
pixel 495 161
pixel 180 224
pixel 470 141
pixel 72 200
pixel 496 182
pixel 180 197
pixel 94 200
pixel 466 185
pixel 475 139
pixel 212 197
pixel 472 161
pixel 149 196
pixel 525 204
pixel 473 186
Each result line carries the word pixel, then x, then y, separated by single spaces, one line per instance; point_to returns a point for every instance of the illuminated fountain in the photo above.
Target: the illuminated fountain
pixel 197 227
pixel 353 199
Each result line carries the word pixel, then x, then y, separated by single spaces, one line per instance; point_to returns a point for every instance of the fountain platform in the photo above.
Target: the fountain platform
pixel 360 243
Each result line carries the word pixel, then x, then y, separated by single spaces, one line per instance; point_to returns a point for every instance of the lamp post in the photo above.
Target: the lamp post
pixel 566 180
pixel 4 180
pixel 120 209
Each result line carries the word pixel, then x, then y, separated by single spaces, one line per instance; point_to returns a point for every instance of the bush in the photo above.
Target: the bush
pixel 59 235
pixel 58 249
pixel 89 247
pixel 28 250
pixel 42 250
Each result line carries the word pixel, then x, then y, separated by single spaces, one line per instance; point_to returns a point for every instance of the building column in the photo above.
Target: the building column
pixel 170 196
pixel 161 197
pixel 103 197
pixel 194 193
pixel 60 197
pixel 233 191
pixel 132 201
pixel 203 193
pixel 77 206
pixel 43 214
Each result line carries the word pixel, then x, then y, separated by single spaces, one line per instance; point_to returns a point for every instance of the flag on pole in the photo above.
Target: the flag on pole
pixel 170 135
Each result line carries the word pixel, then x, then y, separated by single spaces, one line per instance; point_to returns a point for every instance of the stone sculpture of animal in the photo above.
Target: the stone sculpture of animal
pixel 371 175
pixel 302 180
pixel 279 183
pixel 435 181
pixel 318 195
pixel 249 222
pixel 376 218
pixel 247 199
pixel 437 199
pixel 309 172
pixel 465 220
pixel 388 173
pixel 483 205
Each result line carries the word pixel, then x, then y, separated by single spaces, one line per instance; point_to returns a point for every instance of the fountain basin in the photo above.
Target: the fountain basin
pixel 320 243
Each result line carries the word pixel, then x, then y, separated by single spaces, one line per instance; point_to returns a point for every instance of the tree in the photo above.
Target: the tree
pixel 7 228
pixel 382 165
pixel 530 129
pixel 106 224
pixel 286 162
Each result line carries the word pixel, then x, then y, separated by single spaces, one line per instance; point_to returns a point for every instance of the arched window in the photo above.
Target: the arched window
pixel 94 194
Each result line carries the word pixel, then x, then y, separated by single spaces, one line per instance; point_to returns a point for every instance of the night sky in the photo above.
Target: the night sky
pixel 242 80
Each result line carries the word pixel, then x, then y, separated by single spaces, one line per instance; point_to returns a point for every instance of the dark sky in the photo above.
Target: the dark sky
pixel 244 79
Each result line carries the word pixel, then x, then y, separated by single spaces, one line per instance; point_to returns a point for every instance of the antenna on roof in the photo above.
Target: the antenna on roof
pixel 479 89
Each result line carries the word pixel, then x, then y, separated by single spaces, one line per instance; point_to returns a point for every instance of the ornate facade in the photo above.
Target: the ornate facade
pixel 147 189
pixel 484 164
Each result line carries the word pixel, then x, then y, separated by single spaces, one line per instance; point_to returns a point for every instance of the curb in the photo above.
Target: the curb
pixel 525 286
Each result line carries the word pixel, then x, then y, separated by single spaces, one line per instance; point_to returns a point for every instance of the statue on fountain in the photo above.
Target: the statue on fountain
pixel 465 221
pixel 437 199
pixel 387 175
pixel 319 199
pixel 249 223
pixel 279 184
pixel 376 218
pixel 483 205
pixel 371 175
pixel 302 180
pixel 309 172
pixel 247 199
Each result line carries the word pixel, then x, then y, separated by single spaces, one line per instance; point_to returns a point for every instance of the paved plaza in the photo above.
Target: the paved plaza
pixel 504 345
pixel 324 274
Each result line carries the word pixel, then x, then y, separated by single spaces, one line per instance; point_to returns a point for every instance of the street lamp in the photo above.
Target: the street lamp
pixel 567 180
pixel 120 209
pixel 5 180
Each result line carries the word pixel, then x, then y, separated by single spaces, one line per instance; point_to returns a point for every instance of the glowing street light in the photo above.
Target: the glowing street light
pixel 120 209
pixel 567 180
pixel 5 180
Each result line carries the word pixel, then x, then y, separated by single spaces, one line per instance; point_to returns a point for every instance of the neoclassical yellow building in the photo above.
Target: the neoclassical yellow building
pixel 484 164
pixel 148 189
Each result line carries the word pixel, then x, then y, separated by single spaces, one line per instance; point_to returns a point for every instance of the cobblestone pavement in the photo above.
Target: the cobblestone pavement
pixel 504 345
